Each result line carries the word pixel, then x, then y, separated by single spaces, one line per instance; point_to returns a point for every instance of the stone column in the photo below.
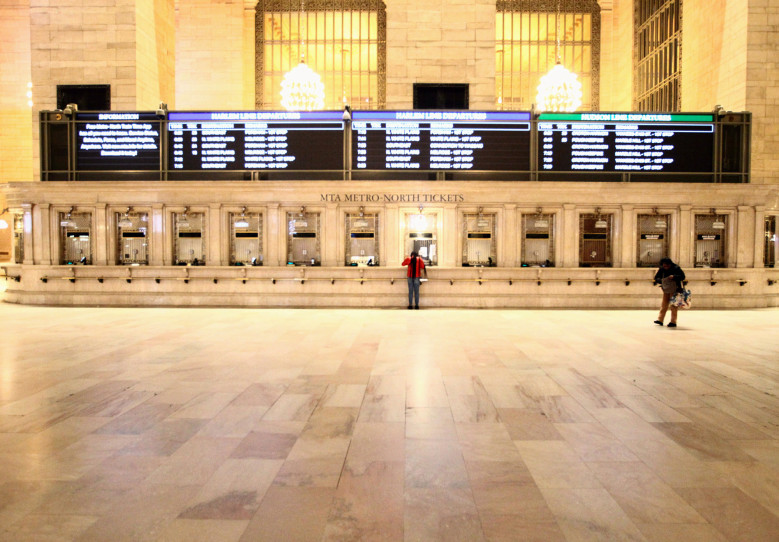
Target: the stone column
pixel 570 230
pixel 745 248
pixel 627 236
pixel 329 241
pixel 157 235
pixel 449 231
pixel 759 238
pixel 274 245
pixel 101 234
pixel 508 240
pixel 685 234
pixel 391 235
pixel 28 234
pixel 41 234
pixel 214 249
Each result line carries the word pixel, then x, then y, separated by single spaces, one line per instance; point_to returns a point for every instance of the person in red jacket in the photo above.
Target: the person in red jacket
pixel 415 269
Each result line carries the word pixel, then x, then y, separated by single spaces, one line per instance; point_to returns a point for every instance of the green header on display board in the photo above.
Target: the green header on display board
pixel 627 117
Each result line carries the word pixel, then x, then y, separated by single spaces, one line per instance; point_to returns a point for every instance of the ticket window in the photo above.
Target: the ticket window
pixel 710 240
pixel 652 239
pixel 538 240
pixel 133 238
pixel 595 240
pixel 75 238
pixel 479 246
pixel 422 236
pixel 362 239
pixel 771 242
pixel 18 238
pixel 246 239
pixel 303 243
pixel 189 244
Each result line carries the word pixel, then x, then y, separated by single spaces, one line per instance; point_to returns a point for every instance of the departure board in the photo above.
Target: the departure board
pixel 256 140
pixel 441 140
pixel 626 142
pixel 118 141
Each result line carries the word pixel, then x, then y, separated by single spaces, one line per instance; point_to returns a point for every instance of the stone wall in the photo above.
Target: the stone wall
pixel 440 41
pixel 155 53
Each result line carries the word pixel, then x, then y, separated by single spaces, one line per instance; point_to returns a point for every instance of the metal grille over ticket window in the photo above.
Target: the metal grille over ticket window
pixel 246 239
pixel 422 236
pixel 189 247
pixel 132 238
pixel 652 239
pixel 303 243
pixel 75 238
pixel 362 241
pixel 595 240
pixel 538 240
pixel 479 243
pixel 710 232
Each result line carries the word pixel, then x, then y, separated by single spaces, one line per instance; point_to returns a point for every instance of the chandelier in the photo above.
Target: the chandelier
pixel 559 90
pixel 302 88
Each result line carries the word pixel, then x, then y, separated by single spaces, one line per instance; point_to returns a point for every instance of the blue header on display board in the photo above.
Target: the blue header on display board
pixel 240 116
pixel 457 116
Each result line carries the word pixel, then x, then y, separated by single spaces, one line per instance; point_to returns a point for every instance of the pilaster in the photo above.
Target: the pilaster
pixel 627 238
pixel 570 229
pixel 508 237
pixel 329 236
pixel 157 235
pixel 391 236
pixel 29 256
pixel 685 233
pixel 759 236
pixel 745 225
pixel 100 225
pixel 213 251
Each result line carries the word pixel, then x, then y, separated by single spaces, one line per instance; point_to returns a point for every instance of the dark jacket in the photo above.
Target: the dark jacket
pixel 675 271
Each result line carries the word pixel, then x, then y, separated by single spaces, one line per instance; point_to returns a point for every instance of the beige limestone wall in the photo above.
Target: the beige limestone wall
pixel 155 32
pixel 616 60
pixel 213 54
pixel 714 55
pixel 16 128
pixel 762 88
pixel 440 41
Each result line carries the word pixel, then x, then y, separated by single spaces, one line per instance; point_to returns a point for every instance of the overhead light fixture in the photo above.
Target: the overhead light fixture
pixel 541 223
pixel 302 88
pixel 559 90
pixel 718 225
pixel 3 224
pixel 125 222
pixel 660 224
pixel 242 222
pixel 601 224
pixel 181 220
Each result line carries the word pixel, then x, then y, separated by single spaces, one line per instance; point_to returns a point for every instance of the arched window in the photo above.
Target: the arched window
pixel 658 55
pixel 344 41
pixel 526 48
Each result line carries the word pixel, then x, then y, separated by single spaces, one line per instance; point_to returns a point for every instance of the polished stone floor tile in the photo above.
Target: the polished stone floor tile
pixel 336 425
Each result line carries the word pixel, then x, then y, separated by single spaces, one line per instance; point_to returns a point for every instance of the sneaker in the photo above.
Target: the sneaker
pixel 672 324
pixel 658 322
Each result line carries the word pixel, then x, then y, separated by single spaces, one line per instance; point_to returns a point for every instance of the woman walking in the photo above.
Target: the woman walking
pixel 669 276
pixel 415 268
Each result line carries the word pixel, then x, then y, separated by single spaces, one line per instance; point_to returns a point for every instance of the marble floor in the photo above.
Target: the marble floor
pixel 251 425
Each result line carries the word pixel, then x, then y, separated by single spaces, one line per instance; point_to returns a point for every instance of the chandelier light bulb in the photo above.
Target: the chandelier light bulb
pixel 559 90
pixel 302 89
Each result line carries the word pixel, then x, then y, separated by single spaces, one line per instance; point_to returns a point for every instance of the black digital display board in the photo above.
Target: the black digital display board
pixel 255 140
pixel 441 140
pixel 118 141
pixel 626 142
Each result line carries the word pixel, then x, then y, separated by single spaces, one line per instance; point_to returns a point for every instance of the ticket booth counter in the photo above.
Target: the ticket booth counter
pixel 362 239
pixel 189 247
pixel 303 242
pixel 479 246
pixel 538 240
pixel 132 238
pixel 246 231
pixel 75 238
pixel 422 236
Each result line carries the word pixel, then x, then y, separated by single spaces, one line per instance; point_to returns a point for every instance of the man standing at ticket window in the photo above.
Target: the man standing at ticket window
pixel 415 269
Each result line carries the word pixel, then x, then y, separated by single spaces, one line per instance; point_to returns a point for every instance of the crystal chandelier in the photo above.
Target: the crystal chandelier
pixel 559 90
pixel 302 88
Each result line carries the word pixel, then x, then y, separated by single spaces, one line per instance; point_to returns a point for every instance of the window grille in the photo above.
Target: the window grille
pixel 132 238
pixel 652 239
pixel 710 233
pixel 595 231
pixel 479 240
pixel 362 239
pixel 303 243
pixel 75 238
pixel 526 48
pixel 246 239
pixel 771 242
pixel 344 41
pixel 189 244
pixel 538 240
pixel 657 55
